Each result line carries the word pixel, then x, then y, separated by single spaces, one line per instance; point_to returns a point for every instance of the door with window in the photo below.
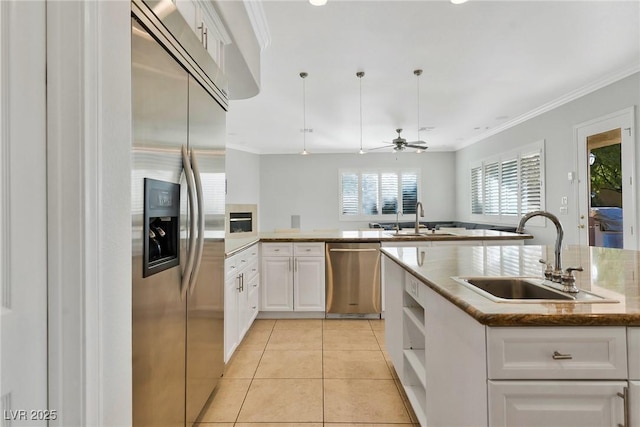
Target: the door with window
pixel 606 169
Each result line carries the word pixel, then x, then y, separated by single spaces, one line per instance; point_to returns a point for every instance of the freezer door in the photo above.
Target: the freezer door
pixel 205 300
pixel 160 102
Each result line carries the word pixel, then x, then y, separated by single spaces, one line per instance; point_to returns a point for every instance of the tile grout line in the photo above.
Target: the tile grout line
pixel 253 377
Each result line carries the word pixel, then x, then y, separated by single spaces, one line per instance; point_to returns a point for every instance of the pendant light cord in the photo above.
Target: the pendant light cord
pixel 361 114
pixel 417 73
pixel 360 75
pixel 304 115
pixel 303 75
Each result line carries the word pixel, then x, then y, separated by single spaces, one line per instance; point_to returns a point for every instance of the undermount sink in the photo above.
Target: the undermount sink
pixel 408 233
pixel 525 290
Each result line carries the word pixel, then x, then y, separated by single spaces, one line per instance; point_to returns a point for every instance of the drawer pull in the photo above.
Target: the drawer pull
pixel 560 356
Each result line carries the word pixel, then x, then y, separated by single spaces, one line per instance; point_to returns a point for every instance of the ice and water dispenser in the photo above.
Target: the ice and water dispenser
pixel 161 226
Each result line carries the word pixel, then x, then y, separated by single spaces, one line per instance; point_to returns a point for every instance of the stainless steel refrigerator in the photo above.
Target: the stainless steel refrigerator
pixel 178 204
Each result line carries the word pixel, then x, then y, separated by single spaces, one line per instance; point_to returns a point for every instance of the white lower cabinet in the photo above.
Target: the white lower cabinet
pixel 556 403
pixel 634 403
pixel 634 376
pixel 241 291
pixel 293 277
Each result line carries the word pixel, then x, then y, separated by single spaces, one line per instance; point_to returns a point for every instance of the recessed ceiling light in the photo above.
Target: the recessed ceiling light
pixel 319 2
pixel 458 1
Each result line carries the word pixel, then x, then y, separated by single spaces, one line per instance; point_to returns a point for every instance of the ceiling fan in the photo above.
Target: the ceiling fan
pixel 400 144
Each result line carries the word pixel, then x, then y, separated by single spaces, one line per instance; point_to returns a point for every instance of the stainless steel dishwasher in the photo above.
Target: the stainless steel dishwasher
pixel 353 280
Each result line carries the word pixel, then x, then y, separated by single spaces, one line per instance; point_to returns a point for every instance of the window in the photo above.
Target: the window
pixel 369 194
pixel 507 187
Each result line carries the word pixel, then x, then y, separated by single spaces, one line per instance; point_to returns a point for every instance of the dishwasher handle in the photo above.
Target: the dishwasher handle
pixel 354 250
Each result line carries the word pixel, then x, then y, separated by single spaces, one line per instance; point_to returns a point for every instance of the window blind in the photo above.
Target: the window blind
pixel 531 183
pixel 492 189
pixel 350 199
pixel 409 192
pixel 509 187
pixel 476 190
pixel 376 193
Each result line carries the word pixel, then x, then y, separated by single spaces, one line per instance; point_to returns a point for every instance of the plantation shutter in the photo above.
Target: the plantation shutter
pixel 370 194
pixel 492 189
pixel 350 199
pixel 509 187
pixel 476 190
pixel 409 192
pixel 389 190
pixel 530 183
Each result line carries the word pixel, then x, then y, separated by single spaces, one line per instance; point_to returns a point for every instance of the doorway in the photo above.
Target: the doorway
pixel 606 220
pixel 606 172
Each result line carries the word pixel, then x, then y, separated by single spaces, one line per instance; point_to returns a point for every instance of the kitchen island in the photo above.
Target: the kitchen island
pixel 466 360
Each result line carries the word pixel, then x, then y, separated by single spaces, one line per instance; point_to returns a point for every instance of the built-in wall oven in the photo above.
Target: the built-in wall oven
pixel 242 220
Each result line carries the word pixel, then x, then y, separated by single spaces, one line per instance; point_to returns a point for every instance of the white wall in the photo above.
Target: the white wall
pixel 243 177
pixel 556 128
pixel 308 186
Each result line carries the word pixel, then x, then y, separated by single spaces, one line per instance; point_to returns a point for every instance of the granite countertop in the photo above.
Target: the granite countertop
pixel 611 273
pixel 379 235
pixel 236 244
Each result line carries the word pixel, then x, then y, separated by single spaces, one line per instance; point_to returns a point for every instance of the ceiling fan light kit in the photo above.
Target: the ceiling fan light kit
pixel 318 2
pixel 454 1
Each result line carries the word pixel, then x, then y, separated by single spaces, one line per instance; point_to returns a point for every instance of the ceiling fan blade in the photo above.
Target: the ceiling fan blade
pixel 419 147
pixel 416 142
pixel 380 148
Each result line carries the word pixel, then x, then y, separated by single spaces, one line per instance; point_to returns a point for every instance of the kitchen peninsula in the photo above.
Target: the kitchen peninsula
pixel 459 236
pixel 514 363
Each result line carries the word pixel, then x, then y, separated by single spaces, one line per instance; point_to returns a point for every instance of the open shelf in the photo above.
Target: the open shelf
pixel 416 316
pixel 416 393
pixel 415 359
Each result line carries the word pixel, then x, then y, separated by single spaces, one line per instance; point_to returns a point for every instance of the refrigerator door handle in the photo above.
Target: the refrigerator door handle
pixel 200 243
pixel 186 274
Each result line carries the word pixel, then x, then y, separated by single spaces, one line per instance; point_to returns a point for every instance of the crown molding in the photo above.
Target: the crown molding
pixel 259 22
pixel 565 99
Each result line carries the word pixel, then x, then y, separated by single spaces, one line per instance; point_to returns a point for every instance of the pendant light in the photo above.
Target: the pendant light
pixel 304 152
pixel 360 75
pixel 417 74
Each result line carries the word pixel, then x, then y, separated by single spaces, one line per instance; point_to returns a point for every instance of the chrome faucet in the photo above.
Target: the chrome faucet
pixel 557 276
pixel 557 272
pixel 398 212
pixel 417 230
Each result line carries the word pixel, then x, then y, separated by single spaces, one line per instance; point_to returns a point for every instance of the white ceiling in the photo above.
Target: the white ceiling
pixel 487 65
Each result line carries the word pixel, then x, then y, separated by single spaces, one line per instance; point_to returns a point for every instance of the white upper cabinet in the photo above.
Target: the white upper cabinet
pixel 204 21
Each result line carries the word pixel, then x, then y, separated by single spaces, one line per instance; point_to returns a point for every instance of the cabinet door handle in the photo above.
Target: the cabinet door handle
pixel 206 38
pixel 201 28
pixel 296 265
pixel 289 264
pixel 238 278
pixel 242 281
pixel 625 397
pixel 560 356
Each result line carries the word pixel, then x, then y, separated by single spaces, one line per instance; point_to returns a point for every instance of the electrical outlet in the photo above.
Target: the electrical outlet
pixel 564 210
pixel 565 200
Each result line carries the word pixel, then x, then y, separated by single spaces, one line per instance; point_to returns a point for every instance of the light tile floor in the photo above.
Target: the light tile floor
pixel 310 373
